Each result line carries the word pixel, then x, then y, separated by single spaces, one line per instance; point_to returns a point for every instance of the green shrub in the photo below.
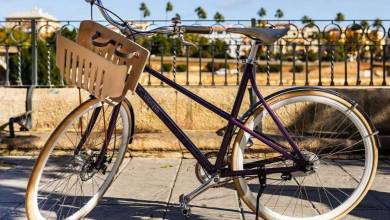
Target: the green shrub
pixel 181 68
pixel 312 56
pixel 217 66
pixel 273 68
pixel 298 68
pixel 167 67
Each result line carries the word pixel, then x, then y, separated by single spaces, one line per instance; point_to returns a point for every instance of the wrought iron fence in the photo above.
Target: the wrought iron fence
pixel 315 52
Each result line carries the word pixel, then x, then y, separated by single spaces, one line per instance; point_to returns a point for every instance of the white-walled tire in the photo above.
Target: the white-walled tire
pixel 61 186
pixel 292 107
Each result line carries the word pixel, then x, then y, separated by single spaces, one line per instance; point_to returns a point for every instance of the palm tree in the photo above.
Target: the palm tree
pixel 279 13
pixel 340 17
pixel 201 13
pixel 177 15
pixel 218 17
pixel 142 7
pixel 168 8
pixel 306 20
pixel 144 10
pixel 146 13
pixel 262 12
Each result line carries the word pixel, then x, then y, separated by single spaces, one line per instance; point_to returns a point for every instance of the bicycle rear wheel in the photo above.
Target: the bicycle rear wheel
pixel 330 132
pixel 67 185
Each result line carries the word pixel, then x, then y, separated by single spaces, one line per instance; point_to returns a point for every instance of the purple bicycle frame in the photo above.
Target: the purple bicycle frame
pixel 233 122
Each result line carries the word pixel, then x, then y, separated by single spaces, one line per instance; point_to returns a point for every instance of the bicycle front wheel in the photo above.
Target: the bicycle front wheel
pixel 332 134
pixel 67 185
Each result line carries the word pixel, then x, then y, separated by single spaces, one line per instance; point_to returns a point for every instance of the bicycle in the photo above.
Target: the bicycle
pixel 310 150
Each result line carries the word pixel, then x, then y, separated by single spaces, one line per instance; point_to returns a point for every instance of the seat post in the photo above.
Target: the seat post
pixel 252 55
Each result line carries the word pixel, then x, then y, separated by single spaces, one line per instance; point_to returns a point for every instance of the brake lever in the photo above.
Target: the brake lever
pixel 176 21
pixel 185 42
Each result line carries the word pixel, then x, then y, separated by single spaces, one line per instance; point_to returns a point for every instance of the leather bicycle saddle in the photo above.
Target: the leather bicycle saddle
pixel 266 35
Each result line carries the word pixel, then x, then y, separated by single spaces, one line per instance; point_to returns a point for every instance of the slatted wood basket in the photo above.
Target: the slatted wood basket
pixel 102 62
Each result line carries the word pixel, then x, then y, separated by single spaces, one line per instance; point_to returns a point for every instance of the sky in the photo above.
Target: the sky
pixel 231 9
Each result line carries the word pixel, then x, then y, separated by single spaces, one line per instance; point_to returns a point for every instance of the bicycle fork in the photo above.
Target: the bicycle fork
pixel 101 159
pixel 111 126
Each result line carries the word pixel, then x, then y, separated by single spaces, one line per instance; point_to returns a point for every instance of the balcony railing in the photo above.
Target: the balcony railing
pixel 319 52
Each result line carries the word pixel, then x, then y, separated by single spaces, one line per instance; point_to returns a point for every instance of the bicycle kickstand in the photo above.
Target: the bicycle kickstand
pixel 263 183
pixel 185 199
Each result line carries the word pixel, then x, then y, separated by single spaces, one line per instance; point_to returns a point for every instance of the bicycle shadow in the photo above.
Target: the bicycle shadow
pixel 121 208
pixel 112 208
pixel 374 205
pixel 147 209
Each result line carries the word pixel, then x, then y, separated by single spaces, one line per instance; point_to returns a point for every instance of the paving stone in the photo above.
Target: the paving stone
pixel 149 188
pixel 376 214
pixel 13 182
pixel 12 211
pixel 141 191
pixel 216 203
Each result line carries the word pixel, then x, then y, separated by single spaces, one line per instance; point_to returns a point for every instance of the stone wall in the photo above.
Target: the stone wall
pixel 50 106
pixel 12 102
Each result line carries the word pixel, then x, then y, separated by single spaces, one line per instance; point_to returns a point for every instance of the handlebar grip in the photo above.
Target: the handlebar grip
pixel 197 29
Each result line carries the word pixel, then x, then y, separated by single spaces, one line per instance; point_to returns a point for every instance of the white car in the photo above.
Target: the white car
pixel 222 71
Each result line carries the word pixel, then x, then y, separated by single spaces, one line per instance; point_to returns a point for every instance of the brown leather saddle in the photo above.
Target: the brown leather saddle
pixel 266 35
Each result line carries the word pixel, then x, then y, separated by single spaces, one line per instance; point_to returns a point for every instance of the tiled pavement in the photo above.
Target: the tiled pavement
pixel 150 188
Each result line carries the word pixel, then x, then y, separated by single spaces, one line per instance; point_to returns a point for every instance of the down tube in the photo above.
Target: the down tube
pixel 167 120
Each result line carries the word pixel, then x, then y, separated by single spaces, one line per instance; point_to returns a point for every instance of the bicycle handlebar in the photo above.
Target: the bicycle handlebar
pixel 106 16
pixel 197 29
pixel 124 27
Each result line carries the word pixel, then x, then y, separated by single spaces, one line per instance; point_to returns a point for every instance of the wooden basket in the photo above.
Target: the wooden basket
pixel 103 62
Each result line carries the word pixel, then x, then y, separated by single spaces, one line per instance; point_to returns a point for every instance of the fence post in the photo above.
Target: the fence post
pixel 200 64
pixel 149 62
pixel 253 97
pixel 384 55
pixel 319 64
pixel 187 64
pixel 306 65
pixel 358 81
pixel 268 66
pixel 7 71
pixel 372 48
pixel 34 53
pixel 19 81
pixel 294 48
pixel 213 63
pixel 281 65
pixel 162 61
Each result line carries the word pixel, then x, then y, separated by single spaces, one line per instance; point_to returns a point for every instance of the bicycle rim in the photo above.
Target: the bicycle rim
pixel 61 185
pixel 313 196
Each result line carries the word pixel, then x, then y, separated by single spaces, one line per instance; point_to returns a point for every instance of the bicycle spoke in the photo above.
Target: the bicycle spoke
pixel 67 184
pixel 322 133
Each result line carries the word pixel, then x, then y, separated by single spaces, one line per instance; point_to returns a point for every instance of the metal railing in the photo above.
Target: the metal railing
pixel 319 52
